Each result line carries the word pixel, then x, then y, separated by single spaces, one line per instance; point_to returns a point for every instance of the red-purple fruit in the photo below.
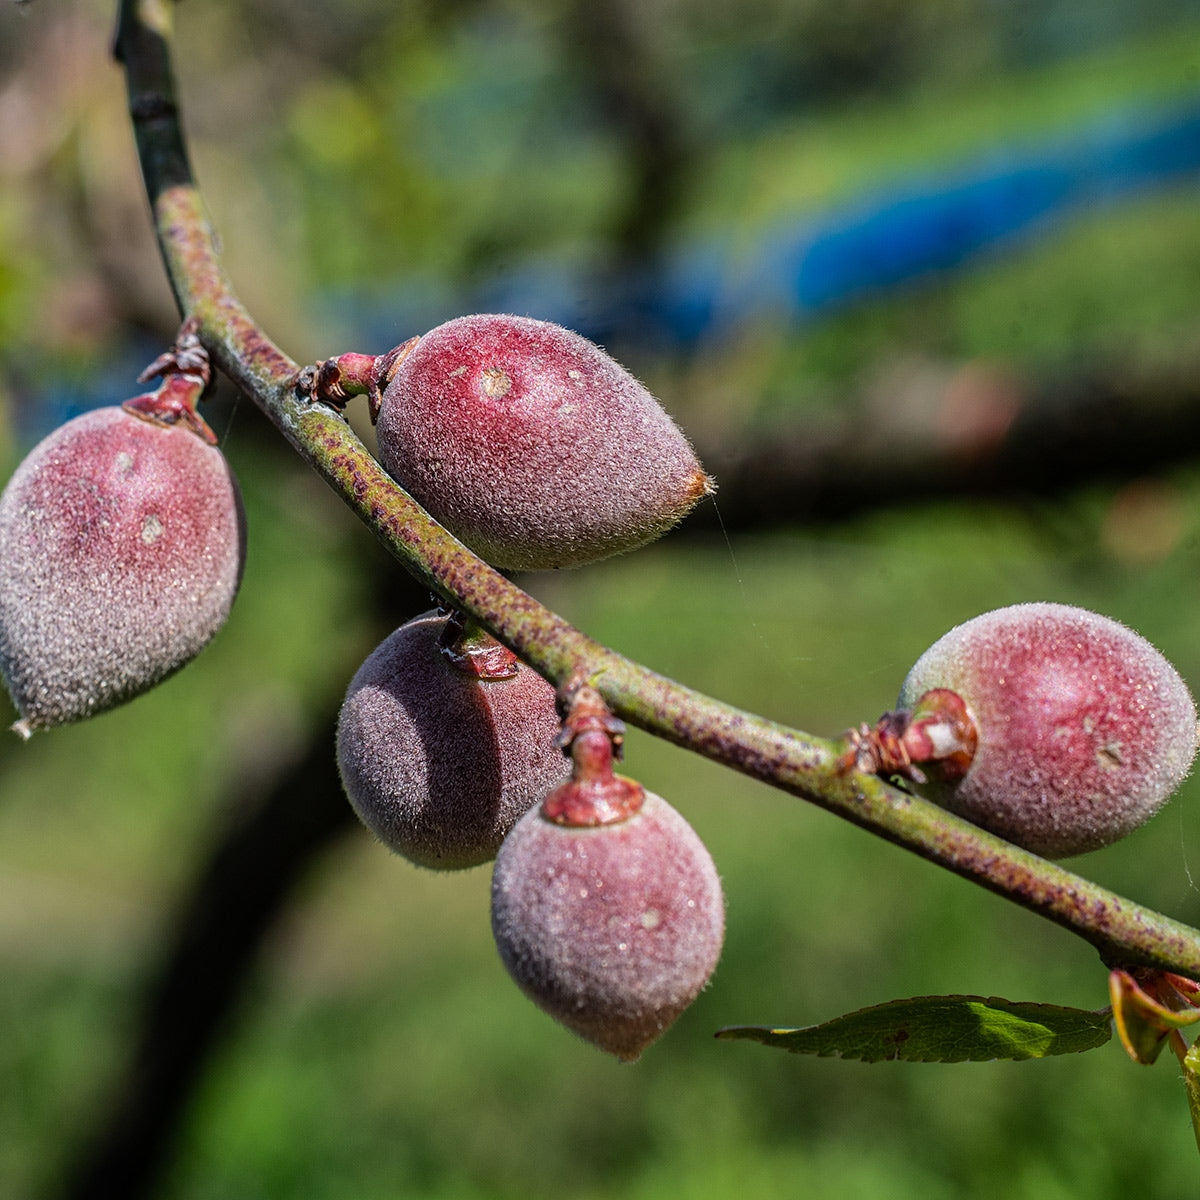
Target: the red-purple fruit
pixel 1084 729
pixel 440 764
pixel 532 445
pixel 614 929
pixel 121 550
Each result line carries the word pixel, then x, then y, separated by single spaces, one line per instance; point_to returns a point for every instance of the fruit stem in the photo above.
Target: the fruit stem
pixel 938 730
pixel 335 380
pixel 469 648
pixel 185 378
pixel 594 795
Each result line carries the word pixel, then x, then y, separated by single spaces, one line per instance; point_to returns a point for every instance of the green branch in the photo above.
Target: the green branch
pixel 796 762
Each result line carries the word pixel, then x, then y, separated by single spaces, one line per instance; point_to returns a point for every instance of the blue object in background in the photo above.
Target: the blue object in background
pixel 888 238
pixel 931 224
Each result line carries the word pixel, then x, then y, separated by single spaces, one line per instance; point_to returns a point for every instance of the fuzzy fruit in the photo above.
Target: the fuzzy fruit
pixel 612 930
pixel 532 445
pixel 438 764
pixel 1084 729
pixel 121 551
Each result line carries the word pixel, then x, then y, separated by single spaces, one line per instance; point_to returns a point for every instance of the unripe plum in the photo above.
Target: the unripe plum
pixel 611 929
pixel 532 445
pixel 121 550
pixel 437 763
pixel 1084 729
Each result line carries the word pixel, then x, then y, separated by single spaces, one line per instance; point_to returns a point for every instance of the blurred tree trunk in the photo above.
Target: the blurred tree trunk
pixel 964 431
pixel 612 46
pixel 265 845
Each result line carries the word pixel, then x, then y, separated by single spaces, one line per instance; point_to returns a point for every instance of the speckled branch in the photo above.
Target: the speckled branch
pixel 809 767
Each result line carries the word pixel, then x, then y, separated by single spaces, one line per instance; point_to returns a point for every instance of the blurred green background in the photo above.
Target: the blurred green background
pixel 367 162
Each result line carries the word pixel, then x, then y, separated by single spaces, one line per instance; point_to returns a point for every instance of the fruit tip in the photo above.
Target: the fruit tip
pixel 702 484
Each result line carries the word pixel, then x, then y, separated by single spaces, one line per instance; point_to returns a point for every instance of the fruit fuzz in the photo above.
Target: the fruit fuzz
pixel 1084 729
pixel 122 541
pixel 532 445
pixel 438 762
pixel 611 929
pixel 606 906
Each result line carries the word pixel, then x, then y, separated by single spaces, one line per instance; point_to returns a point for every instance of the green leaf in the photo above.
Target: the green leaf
pixel 1191 1079
pixel 942 1029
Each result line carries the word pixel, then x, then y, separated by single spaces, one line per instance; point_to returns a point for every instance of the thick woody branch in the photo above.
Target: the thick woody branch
pixel 970 432
pixel 806 766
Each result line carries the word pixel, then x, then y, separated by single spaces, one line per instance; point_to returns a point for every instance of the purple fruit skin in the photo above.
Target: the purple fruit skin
pixel 532 445
pixel 612 930
pixel 1084 728
pixel 438 764
pixel 121 551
